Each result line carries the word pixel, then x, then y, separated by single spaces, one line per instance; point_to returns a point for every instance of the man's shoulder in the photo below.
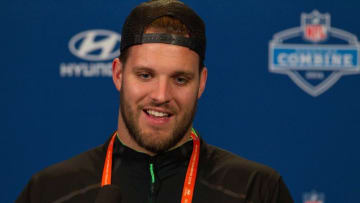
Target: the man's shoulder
pixel 221 159
pixel 235 178
pixel 83 163
pixel 79 174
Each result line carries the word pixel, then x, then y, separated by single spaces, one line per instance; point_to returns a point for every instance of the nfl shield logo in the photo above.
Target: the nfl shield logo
pixel 315 26
pixel 314 197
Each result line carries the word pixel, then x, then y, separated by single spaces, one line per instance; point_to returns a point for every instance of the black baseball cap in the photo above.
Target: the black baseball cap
pixel 145 13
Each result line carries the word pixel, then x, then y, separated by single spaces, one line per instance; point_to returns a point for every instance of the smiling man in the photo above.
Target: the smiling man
pixel 155 155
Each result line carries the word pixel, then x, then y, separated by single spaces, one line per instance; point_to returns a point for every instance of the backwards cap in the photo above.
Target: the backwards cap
pixel 145 13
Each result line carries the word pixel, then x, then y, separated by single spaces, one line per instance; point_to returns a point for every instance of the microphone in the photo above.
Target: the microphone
pixel 109 194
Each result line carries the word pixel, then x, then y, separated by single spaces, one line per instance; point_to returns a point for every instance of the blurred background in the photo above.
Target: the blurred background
pixel 263 102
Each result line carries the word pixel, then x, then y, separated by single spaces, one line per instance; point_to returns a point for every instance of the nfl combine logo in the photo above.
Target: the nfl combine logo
pixel 314 197
pixel 314 55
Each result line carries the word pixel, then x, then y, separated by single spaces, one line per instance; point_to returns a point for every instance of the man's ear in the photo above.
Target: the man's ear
pixel 203 78
pixel 117 72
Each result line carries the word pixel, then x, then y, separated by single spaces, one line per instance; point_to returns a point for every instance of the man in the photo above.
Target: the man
pixel 155 155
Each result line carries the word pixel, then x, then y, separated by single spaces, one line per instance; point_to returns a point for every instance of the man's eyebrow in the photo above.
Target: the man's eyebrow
pixel 142 68
pixel 188 74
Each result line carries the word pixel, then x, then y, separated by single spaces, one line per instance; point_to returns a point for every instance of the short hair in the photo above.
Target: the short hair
pixel 168 25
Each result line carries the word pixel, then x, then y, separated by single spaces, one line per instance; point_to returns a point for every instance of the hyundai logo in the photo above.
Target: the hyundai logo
pixel 95 45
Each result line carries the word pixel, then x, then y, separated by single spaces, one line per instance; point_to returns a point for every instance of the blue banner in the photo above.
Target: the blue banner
pixel 281 89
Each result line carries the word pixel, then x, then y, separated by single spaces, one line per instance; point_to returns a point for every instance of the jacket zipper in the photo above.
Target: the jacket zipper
pixel 152 184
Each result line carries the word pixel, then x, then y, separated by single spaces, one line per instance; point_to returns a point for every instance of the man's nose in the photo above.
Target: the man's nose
pixel 161 92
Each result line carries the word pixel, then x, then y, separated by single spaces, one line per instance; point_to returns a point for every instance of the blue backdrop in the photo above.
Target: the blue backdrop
pixel 301 119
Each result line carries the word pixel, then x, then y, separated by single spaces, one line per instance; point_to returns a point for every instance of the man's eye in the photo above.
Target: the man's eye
pixel 145 76
pixel 181 80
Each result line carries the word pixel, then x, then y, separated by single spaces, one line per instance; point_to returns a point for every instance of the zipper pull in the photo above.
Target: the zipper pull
pixel 152 185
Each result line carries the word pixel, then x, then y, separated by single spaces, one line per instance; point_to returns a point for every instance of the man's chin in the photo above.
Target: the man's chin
pixel 158 142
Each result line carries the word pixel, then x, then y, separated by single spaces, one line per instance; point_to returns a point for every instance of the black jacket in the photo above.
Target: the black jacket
pixel 222 177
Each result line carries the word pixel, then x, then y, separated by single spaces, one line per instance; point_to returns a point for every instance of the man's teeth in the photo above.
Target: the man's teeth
pixel 156 113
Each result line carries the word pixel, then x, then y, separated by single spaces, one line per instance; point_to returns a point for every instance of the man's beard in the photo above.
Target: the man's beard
pixel 154 145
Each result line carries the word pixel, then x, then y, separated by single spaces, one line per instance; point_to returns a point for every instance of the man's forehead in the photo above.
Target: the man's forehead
pixel 158 55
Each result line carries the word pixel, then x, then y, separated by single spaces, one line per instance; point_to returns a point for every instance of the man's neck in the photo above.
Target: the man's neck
pixel 128 141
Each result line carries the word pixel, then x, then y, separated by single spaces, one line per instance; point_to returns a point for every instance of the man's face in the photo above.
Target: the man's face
pixel 160 85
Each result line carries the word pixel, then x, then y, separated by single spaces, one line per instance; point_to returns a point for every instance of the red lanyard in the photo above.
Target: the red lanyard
pixel 190 177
